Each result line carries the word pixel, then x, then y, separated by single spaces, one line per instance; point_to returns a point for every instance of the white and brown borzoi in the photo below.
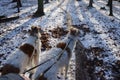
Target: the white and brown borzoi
pixel 65 47
pixel 21 58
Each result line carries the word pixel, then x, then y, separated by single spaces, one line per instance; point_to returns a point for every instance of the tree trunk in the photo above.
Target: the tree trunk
pixel 19 5
pixel 46 1
pixel 90 3
pixel 14 0
pixel 108 4
pixel 18 2
pixel 40 10
pixel 111 11
pixel 81 58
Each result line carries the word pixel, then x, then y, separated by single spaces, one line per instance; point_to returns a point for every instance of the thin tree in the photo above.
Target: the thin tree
pixel 46 1
pixel 111 8
pixel 108 4
pixel 90 3
pixel 14 0
pixel 18 2
pixel 40 9
pixel 19 5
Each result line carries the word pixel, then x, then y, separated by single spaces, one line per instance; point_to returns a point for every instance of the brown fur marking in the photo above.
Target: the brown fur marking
pixel 74 31
pixel 7 68
pixel 27 49
pixel 34 30
pixel 62 46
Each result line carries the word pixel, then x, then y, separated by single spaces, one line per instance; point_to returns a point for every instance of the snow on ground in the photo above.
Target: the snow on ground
pixel 104 30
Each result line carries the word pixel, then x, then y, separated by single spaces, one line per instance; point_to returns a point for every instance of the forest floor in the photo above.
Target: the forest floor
pixel 99 32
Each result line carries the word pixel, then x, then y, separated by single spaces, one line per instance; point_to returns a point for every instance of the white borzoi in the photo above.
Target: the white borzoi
pixel 65 48
pixel 21 58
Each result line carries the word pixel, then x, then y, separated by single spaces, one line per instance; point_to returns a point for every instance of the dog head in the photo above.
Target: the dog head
pixel 74 32
pixel 35 31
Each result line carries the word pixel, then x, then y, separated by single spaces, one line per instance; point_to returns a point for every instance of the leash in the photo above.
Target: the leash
pixel 49 60
pixel 31 58
pixel 57 59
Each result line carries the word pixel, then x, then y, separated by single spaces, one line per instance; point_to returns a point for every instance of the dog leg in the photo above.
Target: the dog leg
pixel 36 59
pixel 66 70
pixel 61 71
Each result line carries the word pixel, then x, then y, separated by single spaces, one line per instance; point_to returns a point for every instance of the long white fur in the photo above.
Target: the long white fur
pixel 21 60
pixel 63 62
pixel 37 46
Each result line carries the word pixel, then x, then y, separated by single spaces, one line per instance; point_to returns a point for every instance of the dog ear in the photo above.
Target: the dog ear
pixel 34 29
pixel 41 31
pixel 74 31
pixel 29 31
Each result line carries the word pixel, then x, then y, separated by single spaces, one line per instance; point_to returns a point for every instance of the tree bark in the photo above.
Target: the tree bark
pixel 40 10
pixel 18 2
pixel 19 5
pixel 108 4
pixel 46 1
pixel 90 3
pixel 14 0
pixel 111 7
